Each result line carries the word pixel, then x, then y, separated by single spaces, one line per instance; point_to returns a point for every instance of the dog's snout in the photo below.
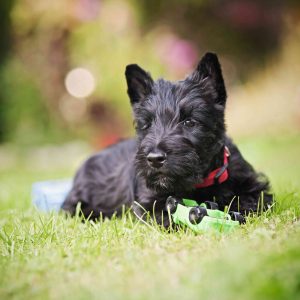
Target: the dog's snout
pixel 156 159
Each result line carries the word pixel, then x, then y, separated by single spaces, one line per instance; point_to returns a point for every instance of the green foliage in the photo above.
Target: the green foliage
pixel 24 113
pixel 27 119
pixel 5 28
pixel 50 38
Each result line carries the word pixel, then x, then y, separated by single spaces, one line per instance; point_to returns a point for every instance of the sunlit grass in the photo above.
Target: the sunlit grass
pixel 51 256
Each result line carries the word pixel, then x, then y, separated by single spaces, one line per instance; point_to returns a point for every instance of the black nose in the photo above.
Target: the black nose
pixel 156 159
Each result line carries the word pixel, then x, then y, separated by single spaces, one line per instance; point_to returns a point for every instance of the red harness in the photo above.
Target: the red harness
pixel 216 176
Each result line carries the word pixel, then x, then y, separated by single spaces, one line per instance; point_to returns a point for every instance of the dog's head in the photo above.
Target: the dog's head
pixel 180 125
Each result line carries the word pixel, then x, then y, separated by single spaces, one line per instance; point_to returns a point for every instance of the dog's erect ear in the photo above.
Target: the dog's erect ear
pixel 139 83
pixel 209 69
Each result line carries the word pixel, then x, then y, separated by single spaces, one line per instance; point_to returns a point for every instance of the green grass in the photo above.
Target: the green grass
pixel 48 256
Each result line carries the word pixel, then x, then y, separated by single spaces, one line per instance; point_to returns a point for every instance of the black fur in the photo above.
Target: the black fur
pixel 180 139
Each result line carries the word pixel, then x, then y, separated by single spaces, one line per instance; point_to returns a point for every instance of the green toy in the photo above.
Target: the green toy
pixel 203 217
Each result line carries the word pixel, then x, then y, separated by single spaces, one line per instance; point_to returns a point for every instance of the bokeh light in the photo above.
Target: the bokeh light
pixel 80 83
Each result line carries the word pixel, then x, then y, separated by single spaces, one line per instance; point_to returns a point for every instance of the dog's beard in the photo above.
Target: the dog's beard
pixel 160 181
pixel 170 183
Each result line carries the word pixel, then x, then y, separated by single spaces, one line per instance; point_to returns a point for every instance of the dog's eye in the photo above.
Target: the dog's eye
pixel 145 126
pixel 141 125
pixel 189 123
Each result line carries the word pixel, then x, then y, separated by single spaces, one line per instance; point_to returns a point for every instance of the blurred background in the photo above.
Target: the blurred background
pixel 62 62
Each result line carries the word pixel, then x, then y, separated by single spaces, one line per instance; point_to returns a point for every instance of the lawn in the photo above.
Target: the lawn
pixel 48 256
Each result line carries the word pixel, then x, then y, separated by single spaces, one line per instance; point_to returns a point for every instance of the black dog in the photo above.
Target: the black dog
pixel 181 150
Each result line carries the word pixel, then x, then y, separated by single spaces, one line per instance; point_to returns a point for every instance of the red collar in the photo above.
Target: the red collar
pixel 216 176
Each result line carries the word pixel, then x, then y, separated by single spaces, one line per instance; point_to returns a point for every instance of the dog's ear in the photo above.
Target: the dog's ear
pixel 139 83
pixel 209 70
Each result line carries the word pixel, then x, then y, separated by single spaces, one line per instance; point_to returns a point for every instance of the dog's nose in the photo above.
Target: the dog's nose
pixel 156 159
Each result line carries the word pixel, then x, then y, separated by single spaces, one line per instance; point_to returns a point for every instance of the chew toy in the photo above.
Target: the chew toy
pixel 202 217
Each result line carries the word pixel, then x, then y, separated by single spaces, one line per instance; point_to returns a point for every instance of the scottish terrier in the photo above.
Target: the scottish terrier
pixel 181 149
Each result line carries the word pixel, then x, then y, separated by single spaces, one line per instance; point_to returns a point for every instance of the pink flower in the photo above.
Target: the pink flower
pixel 87 10
pixel 179 55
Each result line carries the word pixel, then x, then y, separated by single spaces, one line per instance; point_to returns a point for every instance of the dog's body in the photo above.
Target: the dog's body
pixel 181 139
